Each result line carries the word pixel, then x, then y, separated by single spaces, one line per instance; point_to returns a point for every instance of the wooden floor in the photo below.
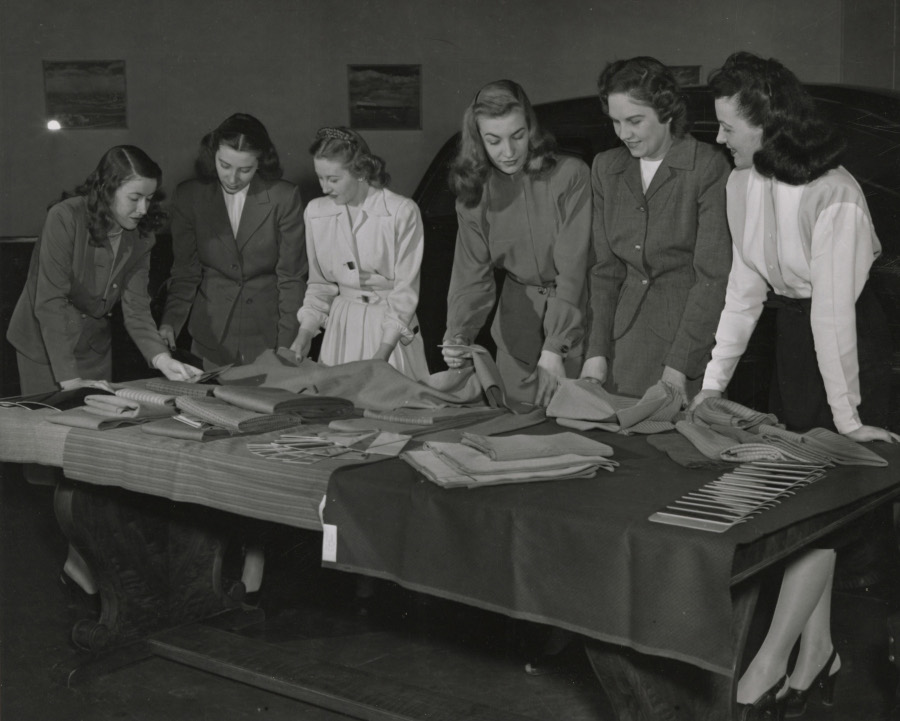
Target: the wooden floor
pixel 460 657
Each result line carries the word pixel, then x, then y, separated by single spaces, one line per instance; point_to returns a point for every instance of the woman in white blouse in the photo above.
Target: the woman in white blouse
pixel 365 247
pixel 803 242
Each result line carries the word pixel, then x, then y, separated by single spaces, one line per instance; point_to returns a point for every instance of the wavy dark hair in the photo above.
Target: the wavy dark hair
pixel 472 165
pixel 243 133
pixel 646 81
pixel 118 165
pixel 798 144
pixel 349 149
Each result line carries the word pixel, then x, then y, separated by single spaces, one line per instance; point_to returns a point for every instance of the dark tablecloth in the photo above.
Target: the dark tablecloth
pixel 578 554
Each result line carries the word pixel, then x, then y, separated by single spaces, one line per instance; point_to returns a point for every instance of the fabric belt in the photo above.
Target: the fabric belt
pixel 543 289
pixel 366 297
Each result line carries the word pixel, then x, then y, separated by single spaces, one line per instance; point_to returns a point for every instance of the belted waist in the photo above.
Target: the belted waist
pixel 366 297
pixel 542 288
pixel 796 305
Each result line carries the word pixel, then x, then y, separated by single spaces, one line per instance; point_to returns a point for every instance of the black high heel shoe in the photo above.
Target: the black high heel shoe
pixel 795 701
pixel 768 706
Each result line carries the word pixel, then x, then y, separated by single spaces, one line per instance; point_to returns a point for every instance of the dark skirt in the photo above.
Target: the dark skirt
pixel 797 393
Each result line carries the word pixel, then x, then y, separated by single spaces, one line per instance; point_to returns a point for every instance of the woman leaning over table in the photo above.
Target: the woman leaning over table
pixel 94 251
pixel 239 263
pixel 660 238
pixel 804 243
pixel 364 244
pixel 525 209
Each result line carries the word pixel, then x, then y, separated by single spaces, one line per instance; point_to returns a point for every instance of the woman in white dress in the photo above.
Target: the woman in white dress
pixel 365 247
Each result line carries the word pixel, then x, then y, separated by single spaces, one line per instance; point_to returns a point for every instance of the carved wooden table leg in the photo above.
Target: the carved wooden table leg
pixel 157 563
pixel 641 687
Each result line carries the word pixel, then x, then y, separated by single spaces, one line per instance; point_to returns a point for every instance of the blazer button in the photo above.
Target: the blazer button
pixel 642 209
pixel 637 247
pixel 115 285
pixel 84 315
pixel 644 281
pixel 234 266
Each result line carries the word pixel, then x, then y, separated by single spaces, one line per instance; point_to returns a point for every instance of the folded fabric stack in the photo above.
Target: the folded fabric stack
pixel 239 420
pixel 277 400
pixel 722 430
pixel 171 428
pixel 483 460
pixel 180 388
pixel 584 404
pixel 151 405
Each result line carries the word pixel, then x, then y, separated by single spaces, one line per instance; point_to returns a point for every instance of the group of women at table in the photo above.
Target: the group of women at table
pixel 652 266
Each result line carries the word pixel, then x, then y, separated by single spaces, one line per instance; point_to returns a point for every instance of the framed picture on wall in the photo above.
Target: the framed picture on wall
pixel 686 74
pixel 385 97
pixel 83 94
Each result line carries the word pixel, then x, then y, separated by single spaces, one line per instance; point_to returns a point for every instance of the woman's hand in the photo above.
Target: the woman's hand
pixel 550 369
pixel 301 344
pixel 677 381
pixel 863 434
pixel 176 370
pixel 702 396
pixel 167 333
pixel 596 368
pixel 455 357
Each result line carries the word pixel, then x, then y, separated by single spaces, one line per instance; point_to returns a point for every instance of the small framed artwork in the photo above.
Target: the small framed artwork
pixel 83 94
pixel 385 97
pixel 686 74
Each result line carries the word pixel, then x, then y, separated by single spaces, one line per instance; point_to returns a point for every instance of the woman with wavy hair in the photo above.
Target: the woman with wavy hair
pixel 525 210
pixel 660 238
pixel 364 244
pixel 803 244
pixel 94 251
pixel 239 263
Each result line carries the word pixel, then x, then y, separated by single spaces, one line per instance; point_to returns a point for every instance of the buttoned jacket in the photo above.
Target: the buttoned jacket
pixel 242 292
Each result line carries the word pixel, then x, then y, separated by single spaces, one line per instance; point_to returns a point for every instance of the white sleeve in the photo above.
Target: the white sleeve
pixel 841 255
pixel 744 299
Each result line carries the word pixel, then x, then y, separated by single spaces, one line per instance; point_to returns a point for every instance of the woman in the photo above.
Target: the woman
pixel 526 210
pixel 94 251
pixel 803 239
pixel 239 257
pixel 660 238
pixel 364 245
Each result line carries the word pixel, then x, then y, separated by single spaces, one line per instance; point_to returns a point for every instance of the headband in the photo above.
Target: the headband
pixel 335 134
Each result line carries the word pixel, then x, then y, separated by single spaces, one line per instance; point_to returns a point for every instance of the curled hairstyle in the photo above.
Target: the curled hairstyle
pixel 117 166
pixel 245 134
pixel 470 168
pixel 348 148
pixel 798 144
pixel 648 82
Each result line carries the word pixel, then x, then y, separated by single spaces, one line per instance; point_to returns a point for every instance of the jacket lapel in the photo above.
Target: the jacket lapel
pixel 256 209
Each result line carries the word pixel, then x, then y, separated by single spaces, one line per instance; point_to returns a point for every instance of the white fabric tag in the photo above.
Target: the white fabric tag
pixel 329 542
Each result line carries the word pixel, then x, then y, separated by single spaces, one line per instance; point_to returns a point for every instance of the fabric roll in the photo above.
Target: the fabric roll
pixel 277 400
pixel 521 446
pixel 842 450
pixel 222 414
pixel 721 411
pixel 80 418
pixel 180 388
pixel 118 407
pixel 470 461
pixel 170 428
pixel 705 440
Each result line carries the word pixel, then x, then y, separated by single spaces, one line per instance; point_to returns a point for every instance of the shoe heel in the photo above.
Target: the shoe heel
pixel 827 686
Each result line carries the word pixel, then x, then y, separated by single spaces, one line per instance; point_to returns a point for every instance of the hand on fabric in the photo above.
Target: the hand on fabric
pixel 550 369
pixel 455 357
pixel 384 352
pixel 176 370
pixel 863 434
pixel 677 381
pixel 596 368
pixel 167 333
pixel 702 396
pixel 301 344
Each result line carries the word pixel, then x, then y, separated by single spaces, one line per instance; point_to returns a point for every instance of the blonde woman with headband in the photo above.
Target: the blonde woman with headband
pixel 365 246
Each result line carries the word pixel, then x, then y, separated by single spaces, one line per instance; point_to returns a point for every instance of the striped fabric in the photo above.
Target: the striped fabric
pixel 222 414
pixel 721 411
pixel 26 436
pixel 220 474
